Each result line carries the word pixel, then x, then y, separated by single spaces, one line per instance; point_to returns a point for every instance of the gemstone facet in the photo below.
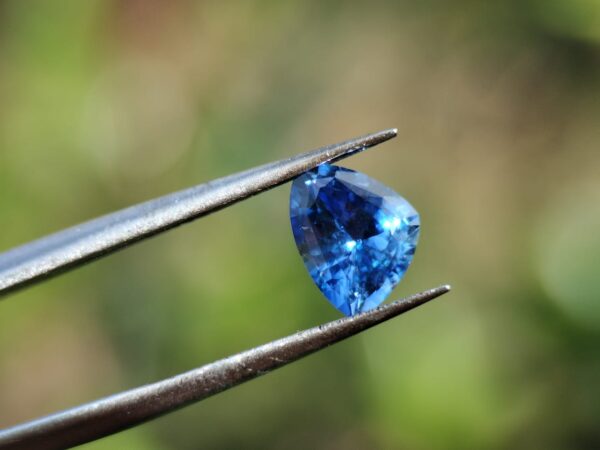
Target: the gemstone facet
pixel 357 237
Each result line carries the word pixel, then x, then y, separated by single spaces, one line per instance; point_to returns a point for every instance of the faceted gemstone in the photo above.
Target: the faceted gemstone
pixel 357 237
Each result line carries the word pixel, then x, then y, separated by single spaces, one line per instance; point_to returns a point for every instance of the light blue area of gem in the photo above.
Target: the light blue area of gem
pixel 357 237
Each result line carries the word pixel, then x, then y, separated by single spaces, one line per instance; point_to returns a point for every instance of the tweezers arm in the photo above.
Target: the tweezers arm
pixel 127 409
pixel 75 246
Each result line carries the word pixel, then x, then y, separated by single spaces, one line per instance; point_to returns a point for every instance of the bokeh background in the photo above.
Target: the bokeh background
pixel 105 104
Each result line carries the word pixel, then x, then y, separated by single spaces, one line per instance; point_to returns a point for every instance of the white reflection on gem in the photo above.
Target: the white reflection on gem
pixel 350 245
pixel 391 225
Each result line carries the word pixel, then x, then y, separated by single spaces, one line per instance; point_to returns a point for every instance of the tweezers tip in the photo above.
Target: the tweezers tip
pixel 424 297
pixel 445 288
pixel 390 310
pixel 384 135
pixel 436 292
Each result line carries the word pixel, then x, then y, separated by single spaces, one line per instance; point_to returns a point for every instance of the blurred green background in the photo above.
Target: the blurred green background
pixel 105 104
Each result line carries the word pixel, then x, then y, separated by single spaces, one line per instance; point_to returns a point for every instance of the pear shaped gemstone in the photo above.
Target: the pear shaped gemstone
pixel 357 237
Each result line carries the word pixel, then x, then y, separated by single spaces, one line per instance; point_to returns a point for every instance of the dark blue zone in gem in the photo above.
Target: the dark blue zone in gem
pixel 357 236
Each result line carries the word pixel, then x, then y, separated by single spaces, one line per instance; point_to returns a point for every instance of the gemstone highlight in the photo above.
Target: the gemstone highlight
pixel 357 237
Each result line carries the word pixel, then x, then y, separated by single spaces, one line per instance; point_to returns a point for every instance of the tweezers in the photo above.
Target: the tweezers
pixel 73 247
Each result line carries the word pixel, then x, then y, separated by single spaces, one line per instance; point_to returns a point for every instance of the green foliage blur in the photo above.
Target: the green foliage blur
pixel 105 104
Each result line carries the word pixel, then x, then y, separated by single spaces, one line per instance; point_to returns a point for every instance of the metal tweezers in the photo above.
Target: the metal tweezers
pixel 70 248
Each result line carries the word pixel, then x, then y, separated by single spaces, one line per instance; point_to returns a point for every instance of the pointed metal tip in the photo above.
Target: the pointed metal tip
pixel 342 150
pixel 381 136
pixel 349 326
pixel 426 296
pixel 393 309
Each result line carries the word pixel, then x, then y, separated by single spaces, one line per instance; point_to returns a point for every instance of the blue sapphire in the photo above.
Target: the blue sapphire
pixel 357 236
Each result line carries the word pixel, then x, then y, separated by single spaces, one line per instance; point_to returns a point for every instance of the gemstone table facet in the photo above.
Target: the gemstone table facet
pixel 357 237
